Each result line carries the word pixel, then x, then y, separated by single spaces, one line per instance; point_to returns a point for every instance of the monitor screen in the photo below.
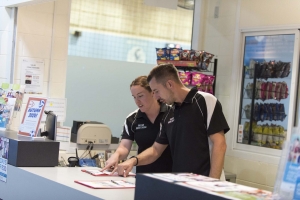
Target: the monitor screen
pixel 50 125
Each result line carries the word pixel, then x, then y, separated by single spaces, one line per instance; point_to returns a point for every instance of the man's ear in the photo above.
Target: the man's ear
pixel 169 84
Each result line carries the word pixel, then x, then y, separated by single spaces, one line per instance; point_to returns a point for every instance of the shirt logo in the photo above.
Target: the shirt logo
pixel 141 126
pixel 171 120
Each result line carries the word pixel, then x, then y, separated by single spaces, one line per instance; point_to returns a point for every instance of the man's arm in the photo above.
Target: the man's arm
pixel 146 157
pixel 217 154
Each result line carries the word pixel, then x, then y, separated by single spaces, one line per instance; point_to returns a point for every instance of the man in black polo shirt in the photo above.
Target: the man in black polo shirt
pixel 195 116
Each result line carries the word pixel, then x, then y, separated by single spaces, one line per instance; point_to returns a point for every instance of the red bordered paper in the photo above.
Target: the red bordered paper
pixel 32 116
pixel 97 172
pixel 107 184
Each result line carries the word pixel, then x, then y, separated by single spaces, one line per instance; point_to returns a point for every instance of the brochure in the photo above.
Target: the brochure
pixel 97 172
pixel 4 147
pixel 32 116
pixel 182 177
pixel 218 186
pixel 251 195
pixel 11 96
pixel 107 184
pixel 214 186
pixel 288 176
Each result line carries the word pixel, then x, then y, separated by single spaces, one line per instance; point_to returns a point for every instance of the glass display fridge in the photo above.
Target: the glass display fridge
pixel 268 90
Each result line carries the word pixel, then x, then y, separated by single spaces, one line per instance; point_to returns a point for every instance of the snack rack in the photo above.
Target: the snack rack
pixel 192 65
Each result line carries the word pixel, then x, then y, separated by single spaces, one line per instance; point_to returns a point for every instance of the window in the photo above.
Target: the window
pixel 126 30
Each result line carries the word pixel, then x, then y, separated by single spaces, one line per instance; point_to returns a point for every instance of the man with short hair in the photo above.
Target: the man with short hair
pixel 195 116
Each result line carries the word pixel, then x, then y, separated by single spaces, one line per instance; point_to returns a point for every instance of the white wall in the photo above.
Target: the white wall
pixel 269 13
pixel 42 33
pixel 5 43
pixel 222 36
pixel 99 90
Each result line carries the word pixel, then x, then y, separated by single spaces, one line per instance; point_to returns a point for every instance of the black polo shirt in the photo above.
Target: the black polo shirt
pixel 186 128
pixel 138 127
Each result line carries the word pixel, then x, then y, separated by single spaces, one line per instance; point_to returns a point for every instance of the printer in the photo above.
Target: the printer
pixel 90 131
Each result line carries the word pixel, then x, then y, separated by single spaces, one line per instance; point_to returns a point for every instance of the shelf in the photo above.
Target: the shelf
pixel 267 121
pixel 178 63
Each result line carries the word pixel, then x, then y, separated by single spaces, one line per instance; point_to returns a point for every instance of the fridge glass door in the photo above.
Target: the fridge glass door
pixel 265 90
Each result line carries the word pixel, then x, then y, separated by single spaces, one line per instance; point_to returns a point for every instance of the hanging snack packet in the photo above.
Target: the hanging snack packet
pixel 211 80
pixel 167 53
pixel 192 55
pixel 185 55
pixel 197 56
pixel 175 53
pixel 277 90
pixel 205 85
pixel 205 60
pixel 185 77
pixel 198 79
pixel 284 91
pixel 161 53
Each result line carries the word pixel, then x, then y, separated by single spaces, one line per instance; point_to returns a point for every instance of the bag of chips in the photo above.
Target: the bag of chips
pixel 198 79
pixel 185 77
pixel 161 53
pixel 185 55
pixel 175 53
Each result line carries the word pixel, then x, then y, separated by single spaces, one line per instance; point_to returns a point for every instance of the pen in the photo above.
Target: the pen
pixel 128 182
pixel 115 182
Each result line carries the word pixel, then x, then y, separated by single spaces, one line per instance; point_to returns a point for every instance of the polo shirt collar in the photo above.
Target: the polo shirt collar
pixel 163 108
pixel 189 96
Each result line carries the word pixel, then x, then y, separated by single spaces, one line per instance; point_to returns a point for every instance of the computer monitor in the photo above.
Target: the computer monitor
pixel 50 125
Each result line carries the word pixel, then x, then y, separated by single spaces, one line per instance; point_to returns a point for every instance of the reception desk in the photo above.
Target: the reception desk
pixel 48 183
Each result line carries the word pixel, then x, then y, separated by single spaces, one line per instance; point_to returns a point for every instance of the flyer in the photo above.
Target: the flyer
pixel 4 145
pixel 217 186
pixel 32 116
pixel 97 172
pixel 181 177
pixel 32 75
pixel 292 168
pixel 11 97
pixel 107 184
pixel 58 106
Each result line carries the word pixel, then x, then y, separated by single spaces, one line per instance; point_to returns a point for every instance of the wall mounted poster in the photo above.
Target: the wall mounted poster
pixel 4 144
pixel 32 75
pixel 58 106
pixel 32 116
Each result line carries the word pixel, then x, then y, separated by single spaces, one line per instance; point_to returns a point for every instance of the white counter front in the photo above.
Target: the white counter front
pixel 57 183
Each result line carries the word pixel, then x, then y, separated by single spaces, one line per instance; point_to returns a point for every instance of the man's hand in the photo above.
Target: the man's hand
pixel 111 163
pixel 121 153
pixel 124 168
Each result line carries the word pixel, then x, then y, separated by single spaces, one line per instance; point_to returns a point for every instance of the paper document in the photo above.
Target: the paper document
pixel 107 184
pixel 97 172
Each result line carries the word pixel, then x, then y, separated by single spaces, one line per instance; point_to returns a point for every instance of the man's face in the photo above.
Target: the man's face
pixel 162 93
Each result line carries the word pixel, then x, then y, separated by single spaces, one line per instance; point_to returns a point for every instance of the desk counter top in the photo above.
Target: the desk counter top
pixel 57 183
